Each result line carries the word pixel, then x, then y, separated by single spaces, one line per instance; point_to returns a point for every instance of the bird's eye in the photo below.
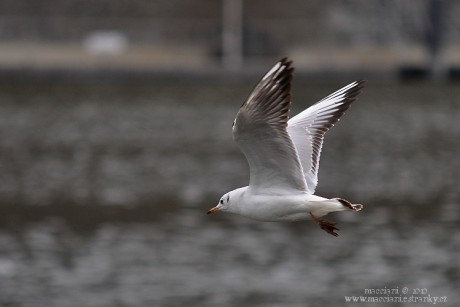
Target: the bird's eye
pixel 222 201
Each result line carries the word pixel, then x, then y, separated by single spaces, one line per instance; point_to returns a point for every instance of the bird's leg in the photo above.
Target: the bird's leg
pixel 328 226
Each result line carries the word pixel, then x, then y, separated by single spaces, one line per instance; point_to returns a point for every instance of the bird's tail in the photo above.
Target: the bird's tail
pixel 347 204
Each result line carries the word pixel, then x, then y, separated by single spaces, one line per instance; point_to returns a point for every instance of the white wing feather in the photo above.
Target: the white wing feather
pixel 307 129
pixel 260 131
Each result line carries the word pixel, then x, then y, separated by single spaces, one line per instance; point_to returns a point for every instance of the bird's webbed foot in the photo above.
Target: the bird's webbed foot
pixel 328 226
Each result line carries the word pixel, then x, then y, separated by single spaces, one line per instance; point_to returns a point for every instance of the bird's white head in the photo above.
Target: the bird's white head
pixel 223 205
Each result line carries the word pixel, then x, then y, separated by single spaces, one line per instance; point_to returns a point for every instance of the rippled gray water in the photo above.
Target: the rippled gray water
pixel 104 190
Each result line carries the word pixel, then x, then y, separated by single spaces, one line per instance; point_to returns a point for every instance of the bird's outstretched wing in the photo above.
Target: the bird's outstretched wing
pixel 260 129
pixel 307 129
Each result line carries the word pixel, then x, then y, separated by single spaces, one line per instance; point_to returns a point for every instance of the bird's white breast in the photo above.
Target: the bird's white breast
pixel 275 207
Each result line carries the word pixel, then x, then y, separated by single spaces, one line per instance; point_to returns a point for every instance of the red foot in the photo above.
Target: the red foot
pixel 328 226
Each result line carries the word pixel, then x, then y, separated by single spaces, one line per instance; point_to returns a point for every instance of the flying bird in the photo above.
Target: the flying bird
pixel 283 154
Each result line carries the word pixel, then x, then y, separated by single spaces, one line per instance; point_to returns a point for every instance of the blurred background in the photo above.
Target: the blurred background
pixel 115 139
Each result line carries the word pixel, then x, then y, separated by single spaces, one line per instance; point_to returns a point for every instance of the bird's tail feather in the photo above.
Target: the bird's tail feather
pixel 347 204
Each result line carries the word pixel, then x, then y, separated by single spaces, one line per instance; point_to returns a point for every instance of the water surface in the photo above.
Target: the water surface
pixel 104 189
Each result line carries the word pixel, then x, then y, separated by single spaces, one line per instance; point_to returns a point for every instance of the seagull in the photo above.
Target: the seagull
pixel 283 154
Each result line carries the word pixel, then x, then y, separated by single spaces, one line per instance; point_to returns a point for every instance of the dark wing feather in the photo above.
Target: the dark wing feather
pixel 307 129
pixel 260 131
